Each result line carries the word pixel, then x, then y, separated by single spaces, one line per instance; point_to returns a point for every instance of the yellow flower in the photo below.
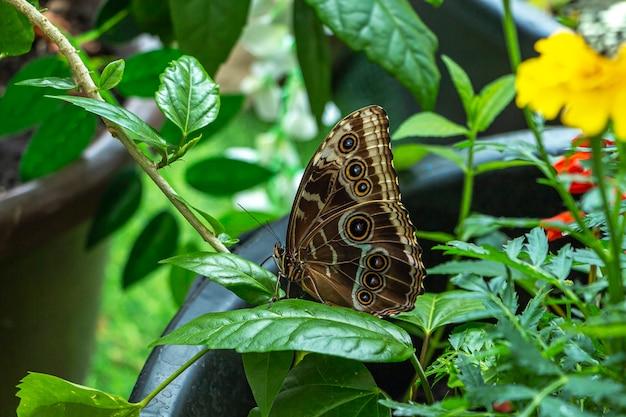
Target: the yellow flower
pixel 568 74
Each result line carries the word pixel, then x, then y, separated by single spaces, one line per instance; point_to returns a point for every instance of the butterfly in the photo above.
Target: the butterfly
pixel 350 241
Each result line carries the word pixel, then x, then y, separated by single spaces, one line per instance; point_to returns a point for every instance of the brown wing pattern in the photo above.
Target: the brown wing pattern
pixel 348 228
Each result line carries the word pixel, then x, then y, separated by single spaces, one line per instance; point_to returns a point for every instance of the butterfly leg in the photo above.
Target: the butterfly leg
pixel 277 288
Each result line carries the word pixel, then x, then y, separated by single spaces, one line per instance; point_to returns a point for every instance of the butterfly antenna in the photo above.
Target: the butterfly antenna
pixel 267 225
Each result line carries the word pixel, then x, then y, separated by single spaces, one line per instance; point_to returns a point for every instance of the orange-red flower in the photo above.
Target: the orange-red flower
pixel 572 165
pixel 553 232
pixel 503 407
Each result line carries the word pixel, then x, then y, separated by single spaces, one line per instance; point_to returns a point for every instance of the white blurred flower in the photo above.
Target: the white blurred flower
pixel 298 121
pixel 254 200
pixel 264 92
pixel 267 40
pixel 331 114
pixel 243 154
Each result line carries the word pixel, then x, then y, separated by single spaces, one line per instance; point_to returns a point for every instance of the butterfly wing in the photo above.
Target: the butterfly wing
pixel 348 227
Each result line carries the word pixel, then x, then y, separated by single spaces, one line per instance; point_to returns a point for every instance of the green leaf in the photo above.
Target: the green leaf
pixel 118 204
pixel 610 323
pixel 265 373
pixel 313 54
pixel 451 406
pixel 238 222
pixel 230 106
pixel 462 84
pixel 157 240
pixel 58 83
pixel 59 140
pixel 180 279
pixel 493 98
pixel 136 128
pixel 553 406
pixel 297 325
pixel 524 353
pixel 445 152
pixel 392 35
pixel 153 17
pixel 498 165
pixel 112 74
pixel 427 124
pixel 407 154
pixel 247 280
pixel 187 95
pixel 124 30
pixel 534 311
pixel 224 176
pixel 435 310
pixel 561 264
pixel 141 75
pixel 537 246
pixel 482 268
pixel 46 395
pixel 16 32
pixel 22 107
pixel 208 30
pixel 477 225
pixel 488 394
pixel 329 387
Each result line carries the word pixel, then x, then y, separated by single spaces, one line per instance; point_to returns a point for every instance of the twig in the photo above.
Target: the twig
pixel 81 75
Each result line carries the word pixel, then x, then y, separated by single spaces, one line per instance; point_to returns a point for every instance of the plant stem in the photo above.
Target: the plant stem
pixel 536 401
pixel 172 377
pixel 422 376
pixel 85 82
pixel 468 185
pixel 424 349
pixel 614 270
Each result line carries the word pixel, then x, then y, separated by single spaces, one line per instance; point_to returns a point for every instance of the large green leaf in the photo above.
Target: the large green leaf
pixel 58 83
pixel 435 310
pixel 153 16
pixel 208 30
pixel 238 222
pixel 297 325
pixel 493 98
pixel 46 395
pixel 247 280
pixel 427 124
pixel 16 32
pixel 390 34
pixel 220 175
pixel 22 107
pixel 59 140
pixel 265 373
pixel 329 387
pixel 313 55
pixel 442 151
pixel 187 95
pixel 158 240
pixel 141 74
pixel 126 27
pixel 120 201
pixel 136 128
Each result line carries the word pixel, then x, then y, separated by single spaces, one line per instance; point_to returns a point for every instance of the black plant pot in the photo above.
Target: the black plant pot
pixel 216 384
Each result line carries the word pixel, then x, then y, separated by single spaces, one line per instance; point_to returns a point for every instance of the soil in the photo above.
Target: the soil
pixel 73 15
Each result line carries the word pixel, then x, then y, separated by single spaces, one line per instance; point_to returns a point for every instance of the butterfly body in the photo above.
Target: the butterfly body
pixel 350 241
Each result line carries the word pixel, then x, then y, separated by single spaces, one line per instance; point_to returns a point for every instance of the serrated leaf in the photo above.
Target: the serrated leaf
pixel 247 280
pixel 534 311
pixel 297 325
pixel 141 75
pixel 157 240
pixel 47 395
pixel 514 247
pixel 435 310
pixel 537 246
pixel 208 30
pixel 326 387
pixel 561 264
pixel 112 74
pixel 493 98
pixel 553 406
pixel 16 32
pixel 392 35
pixel 428 124
pixel 59 140
pixel 449 407
pixel 477 225
pixel 462 84
pixel 313 54
pixel 225 176
pixel 187 95
pixel 265 373
pixel 489 394
pixel 58 83
pixel 22 107
pixel 524 353
pixel 136 128
pixel 120 201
